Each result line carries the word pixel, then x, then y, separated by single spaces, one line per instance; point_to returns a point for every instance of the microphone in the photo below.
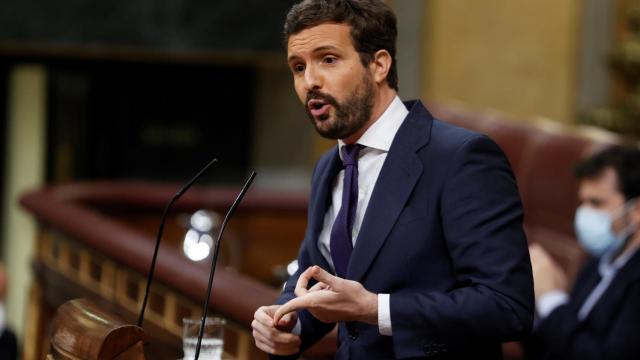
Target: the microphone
pixel 214 258
pixel 161 229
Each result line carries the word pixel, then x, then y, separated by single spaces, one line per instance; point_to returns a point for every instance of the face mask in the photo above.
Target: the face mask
pixel 594 232
pixel 2 317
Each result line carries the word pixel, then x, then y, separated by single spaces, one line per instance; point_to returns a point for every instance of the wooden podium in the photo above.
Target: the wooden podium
pixel 95 242
pixel 80 330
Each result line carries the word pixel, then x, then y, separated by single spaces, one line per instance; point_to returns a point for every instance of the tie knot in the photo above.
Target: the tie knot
pixel 350 154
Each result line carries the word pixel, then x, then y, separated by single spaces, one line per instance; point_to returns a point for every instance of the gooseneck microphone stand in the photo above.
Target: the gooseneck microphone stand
pixel 161 229
pixel 214 258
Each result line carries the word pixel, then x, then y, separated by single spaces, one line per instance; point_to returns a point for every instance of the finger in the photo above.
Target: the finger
pixel 273 341
pixel 264 315
pixel 296 304
pixel 274 337
pixel 287 321
pixel 319 286
pixel 543 256
pixel 259 328
pixel 539 250
pixel 261 333
pixel 271 347
pixel 538 254
pixel 535 249
pixel 269 310
pixel 276 349
pixel 303 281
pixel 264 347
pixel 323 276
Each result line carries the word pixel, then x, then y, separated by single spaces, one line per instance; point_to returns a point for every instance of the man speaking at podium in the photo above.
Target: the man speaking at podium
pixel 414 243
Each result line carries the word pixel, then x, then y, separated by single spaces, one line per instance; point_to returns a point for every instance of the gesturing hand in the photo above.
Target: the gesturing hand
pixel 274 337
pixel 331 299
pixel 547 274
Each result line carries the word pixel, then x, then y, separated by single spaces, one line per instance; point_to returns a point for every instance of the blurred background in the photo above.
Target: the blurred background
pixel 145 92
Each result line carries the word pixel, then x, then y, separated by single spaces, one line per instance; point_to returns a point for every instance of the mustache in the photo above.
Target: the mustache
pixel 317 95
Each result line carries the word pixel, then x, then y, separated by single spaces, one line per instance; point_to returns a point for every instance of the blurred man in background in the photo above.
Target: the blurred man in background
pixel 600 317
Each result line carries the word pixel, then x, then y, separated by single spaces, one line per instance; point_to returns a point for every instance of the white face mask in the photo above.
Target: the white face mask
pixel 3 318
pixel 595 233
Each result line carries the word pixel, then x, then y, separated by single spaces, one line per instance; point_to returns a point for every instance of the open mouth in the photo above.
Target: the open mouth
pixel 318 107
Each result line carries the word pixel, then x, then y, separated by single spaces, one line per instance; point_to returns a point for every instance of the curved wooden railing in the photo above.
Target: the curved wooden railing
pixel 80 240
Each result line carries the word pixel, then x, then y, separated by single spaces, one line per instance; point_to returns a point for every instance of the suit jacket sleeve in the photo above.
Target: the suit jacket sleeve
pixel 552 335
pixel 481 217
pixel 312 329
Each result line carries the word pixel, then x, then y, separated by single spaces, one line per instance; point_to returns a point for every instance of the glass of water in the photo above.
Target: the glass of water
pixel 212 338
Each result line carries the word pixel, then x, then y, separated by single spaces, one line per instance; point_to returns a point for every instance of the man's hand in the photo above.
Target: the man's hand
pixel 275 337
pixel 547 274
pixel 332 299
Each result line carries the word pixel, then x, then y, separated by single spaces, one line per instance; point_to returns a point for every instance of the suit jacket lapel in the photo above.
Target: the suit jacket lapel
pixel 610 301
pixel 396 181
pixel 320 204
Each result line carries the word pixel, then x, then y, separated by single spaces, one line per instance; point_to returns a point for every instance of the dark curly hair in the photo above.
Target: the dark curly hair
pixel 624 160
pixel 373 26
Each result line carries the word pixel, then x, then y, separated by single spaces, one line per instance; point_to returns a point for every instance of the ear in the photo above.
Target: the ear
pixel 381 65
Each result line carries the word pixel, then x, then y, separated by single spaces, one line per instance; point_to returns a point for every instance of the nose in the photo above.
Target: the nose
pixel 312 78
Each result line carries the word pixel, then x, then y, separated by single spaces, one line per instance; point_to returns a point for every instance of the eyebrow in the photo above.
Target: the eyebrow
pixel 316 50
pixel 593 200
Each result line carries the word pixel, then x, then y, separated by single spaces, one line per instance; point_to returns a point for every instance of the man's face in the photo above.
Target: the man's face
pixel 337 90
pixel 602 193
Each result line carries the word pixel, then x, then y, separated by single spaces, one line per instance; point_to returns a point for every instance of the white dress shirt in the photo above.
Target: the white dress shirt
pixel 377 141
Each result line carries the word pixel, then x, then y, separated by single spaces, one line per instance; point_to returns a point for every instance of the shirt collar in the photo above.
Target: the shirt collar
pixel 606 266
pixel 381 133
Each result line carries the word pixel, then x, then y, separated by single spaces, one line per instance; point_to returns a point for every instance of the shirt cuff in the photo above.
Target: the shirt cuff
pixel 297 329
pixel 550 301
pixel 384 315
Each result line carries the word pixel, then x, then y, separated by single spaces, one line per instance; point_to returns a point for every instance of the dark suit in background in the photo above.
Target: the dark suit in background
pixel 443 236
pixel 8 345
pixel 609 331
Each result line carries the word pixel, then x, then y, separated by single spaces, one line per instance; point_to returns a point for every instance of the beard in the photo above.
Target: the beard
pixel 350 115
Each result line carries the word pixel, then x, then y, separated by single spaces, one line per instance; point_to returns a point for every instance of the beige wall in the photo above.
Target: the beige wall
pixel 519 57
pixel 25 167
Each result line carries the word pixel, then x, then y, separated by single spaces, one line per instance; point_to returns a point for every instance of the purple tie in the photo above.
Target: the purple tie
pixel 341 245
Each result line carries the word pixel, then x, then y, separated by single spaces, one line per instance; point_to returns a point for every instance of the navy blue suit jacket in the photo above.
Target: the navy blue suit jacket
pixel 610 331
pixel 443 236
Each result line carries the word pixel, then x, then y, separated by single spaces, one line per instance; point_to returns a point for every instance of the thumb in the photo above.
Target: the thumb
pixel 328 280
pixel 287 320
